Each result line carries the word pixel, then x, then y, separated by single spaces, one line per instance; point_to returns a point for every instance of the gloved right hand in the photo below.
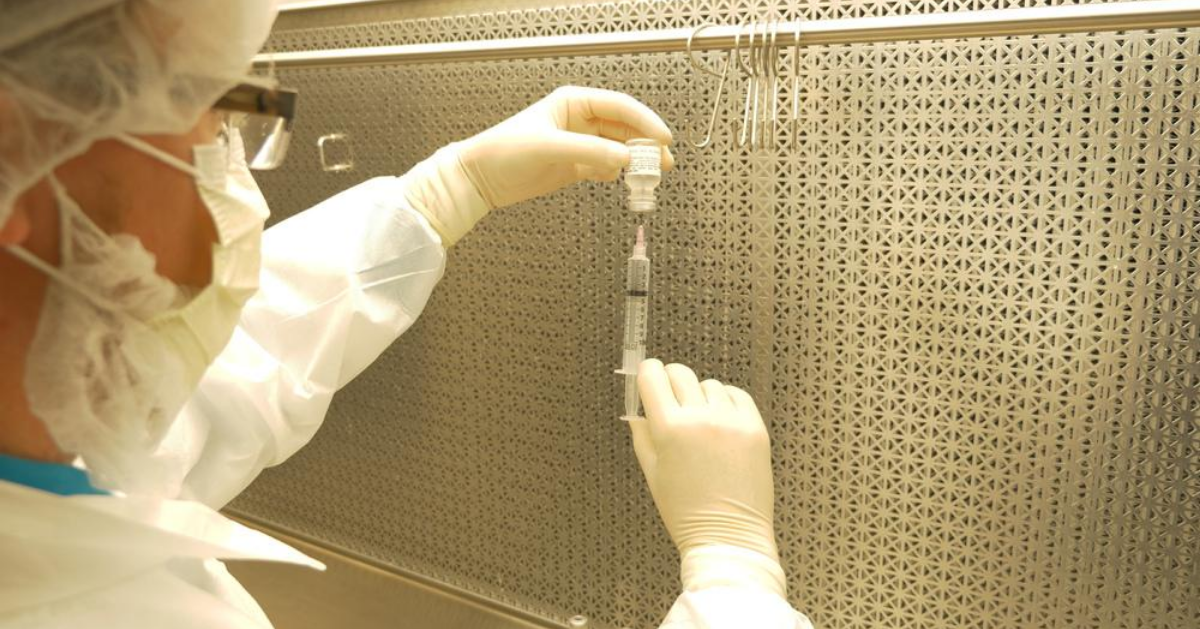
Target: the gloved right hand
pixel 571 135
pixel 707 458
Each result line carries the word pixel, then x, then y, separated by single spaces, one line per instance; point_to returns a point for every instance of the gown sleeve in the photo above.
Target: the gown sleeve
pixel 733 608
pixel 340 282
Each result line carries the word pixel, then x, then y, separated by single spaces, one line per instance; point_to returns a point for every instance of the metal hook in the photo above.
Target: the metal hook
pixel 771 93
pixel 737 43
pixel 712 119
pixel 756 55
pixel 691 54
pixel 765 105
pixel 750 80
pixel 796 87
pixel 775 63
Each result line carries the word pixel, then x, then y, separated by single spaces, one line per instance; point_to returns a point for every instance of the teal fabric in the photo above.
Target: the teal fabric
pixel 56 478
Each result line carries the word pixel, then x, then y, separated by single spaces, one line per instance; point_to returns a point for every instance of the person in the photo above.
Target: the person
pixel 158 349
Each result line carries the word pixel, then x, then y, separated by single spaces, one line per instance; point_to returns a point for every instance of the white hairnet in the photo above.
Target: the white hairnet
pixel 76 71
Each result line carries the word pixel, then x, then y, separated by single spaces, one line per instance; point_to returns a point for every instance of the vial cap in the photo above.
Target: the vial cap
pixel 642 205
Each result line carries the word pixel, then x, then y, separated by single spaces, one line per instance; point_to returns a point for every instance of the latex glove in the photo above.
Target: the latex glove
pixel 574 134
pixel 707 458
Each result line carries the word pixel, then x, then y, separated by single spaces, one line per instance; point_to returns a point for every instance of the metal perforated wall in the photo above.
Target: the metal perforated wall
pixel 968 303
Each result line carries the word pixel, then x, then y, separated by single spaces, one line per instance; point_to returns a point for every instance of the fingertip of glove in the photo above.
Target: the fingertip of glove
pixel 648 364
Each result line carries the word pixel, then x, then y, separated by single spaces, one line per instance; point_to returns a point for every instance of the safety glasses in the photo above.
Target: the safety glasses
pixel 263 116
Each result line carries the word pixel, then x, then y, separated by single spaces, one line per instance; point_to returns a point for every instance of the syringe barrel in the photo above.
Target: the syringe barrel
pixel 631 358
pixel 633 401
pixel 637 275
pixel 637 304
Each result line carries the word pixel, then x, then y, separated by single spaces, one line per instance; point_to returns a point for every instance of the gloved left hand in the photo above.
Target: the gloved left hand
pixel 574 134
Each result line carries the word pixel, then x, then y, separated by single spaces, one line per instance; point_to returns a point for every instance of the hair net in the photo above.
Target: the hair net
pixel 76 71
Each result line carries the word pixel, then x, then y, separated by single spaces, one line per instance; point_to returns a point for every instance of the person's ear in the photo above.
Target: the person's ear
pixel 15 229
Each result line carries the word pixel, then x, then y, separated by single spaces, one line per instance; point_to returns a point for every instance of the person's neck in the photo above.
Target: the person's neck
pixel 29 444
pixel 22 434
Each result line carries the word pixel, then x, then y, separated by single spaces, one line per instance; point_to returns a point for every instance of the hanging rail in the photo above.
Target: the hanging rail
pixel 1114 16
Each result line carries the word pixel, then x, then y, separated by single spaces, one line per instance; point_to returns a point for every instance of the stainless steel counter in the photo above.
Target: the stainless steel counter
pixel 354 593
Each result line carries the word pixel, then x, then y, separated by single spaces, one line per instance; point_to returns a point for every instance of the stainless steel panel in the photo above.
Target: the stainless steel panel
pixel 967 303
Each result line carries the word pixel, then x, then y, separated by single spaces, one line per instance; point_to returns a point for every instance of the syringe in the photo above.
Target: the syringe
pixel 637 297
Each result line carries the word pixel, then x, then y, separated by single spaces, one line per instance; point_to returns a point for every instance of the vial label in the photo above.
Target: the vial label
pixel 645 160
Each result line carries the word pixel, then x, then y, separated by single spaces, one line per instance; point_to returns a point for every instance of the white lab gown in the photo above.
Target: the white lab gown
pixel 340 283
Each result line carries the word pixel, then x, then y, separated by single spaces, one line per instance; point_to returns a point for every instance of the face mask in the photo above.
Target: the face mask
pixel 119 349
